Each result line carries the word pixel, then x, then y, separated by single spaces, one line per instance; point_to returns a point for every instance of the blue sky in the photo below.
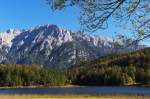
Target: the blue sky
pixel 23 14
pixel 29 13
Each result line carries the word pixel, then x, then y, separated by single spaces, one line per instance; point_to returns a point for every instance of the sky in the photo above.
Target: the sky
pixel 24 14
pixel 29 13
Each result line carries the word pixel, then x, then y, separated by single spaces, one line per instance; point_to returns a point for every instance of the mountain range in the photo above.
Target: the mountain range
pixel 53 47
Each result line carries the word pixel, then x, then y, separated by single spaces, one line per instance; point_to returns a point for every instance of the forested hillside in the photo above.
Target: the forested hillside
pixel 122 69
pixel 29 75
pixel 118 69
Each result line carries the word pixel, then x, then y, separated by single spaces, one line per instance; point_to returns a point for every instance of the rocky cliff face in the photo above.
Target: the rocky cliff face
pixel 6 42
pixel 53 47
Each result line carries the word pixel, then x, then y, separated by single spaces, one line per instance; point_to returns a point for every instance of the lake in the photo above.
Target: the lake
pixel 79 91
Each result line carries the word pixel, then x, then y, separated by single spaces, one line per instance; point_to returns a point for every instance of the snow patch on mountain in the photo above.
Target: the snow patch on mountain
pixel 7 37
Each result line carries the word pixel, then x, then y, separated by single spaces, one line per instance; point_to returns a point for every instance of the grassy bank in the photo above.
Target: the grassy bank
pixel 71 97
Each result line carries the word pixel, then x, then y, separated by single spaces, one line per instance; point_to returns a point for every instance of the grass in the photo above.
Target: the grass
pixel 72 97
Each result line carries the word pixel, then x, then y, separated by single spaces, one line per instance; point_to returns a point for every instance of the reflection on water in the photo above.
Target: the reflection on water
pixel 79 90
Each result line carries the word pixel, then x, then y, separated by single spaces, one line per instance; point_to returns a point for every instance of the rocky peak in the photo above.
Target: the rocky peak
pixel 7 37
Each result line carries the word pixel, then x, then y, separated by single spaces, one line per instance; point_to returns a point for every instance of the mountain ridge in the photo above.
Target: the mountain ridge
pixel 53 47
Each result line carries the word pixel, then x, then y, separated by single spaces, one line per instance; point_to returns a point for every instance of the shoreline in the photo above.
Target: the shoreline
pixel 9 87
pixel 68 86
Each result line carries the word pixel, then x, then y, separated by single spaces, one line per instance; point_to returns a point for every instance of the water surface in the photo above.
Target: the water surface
pixel 80 91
